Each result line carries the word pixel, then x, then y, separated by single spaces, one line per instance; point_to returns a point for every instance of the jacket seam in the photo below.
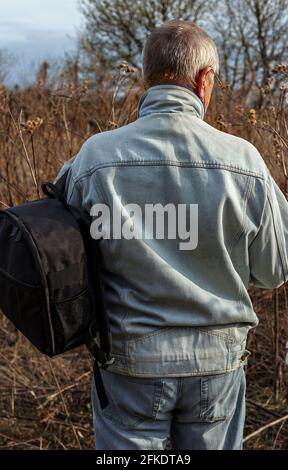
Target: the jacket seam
pixel 159 331
pixel 260 222
pixel 155 360
pixel 128 370
pixel 277 235
pixel 77 184
pixel 278 242
pixel 240 232
pixel 245 221
pixel 208 165
pixel 99 189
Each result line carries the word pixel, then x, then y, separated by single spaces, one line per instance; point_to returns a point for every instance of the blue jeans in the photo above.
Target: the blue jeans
pixel 197 412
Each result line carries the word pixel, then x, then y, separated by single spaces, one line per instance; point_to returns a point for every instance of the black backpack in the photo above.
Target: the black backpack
pixel 50 283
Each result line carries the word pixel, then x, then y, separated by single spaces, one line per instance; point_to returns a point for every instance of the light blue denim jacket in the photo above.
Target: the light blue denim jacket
pixel 173 312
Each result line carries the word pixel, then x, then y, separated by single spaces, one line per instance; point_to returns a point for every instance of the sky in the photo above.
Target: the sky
pixel 33 30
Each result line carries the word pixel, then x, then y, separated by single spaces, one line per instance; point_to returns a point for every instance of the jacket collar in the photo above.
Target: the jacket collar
pixel 170 99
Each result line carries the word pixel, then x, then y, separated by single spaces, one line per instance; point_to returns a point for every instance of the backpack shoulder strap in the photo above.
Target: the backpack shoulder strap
pixel 56 189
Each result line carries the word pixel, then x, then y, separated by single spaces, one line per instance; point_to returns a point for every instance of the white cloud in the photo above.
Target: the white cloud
pixel 34 30
pixel 34 44
pixel 22 21
pixel 52 14
pixel 10 34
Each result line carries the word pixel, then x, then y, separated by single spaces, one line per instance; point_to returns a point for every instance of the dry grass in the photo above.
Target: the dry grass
pixel 46 404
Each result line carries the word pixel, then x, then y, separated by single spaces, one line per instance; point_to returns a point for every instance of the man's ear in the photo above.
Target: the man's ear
pixel 201 82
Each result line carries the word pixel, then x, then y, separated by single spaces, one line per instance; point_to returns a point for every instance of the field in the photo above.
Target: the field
pixel 45 404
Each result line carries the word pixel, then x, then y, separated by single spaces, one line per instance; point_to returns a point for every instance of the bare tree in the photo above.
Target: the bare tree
pixel 115 30
pixel 252 36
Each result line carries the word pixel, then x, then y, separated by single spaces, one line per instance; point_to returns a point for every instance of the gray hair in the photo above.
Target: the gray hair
pixel 178 50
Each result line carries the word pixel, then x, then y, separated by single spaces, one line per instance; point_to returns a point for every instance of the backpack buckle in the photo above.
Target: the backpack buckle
pixel 103 359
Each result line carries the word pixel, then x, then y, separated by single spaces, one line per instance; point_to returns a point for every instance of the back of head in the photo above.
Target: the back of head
pixel 177 51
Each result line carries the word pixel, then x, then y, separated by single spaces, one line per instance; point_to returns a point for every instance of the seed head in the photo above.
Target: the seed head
pixel 32 125
pixel 126 68
pixel 252 117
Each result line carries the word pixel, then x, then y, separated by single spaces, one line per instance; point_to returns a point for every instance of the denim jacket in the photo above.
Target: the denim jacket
pixel 183 312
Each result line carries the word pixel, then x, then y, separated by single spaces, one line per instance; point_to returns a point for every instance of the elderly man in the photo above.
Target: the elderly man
pixel 177 300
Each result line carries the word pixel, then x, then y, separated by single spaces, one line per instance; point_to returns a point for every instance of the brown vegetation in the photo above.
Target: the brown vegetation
pixel 46 403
